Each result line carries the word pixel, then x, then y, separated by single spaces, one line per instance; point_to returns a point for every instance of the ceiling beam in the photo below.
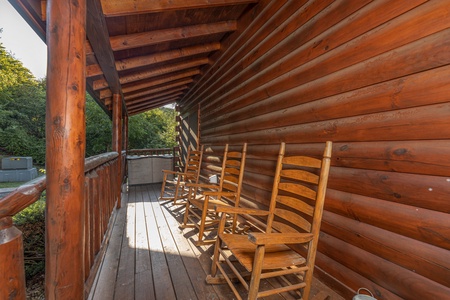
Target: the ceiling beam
pixel 154 105
pixel 101 83
pixel 114 8
pixel 153 82
pixel 153 96
pixel 97 33
pixel 148 60
pixel 160 88
pixel 141 39
pixel 145 104
pixel 171 92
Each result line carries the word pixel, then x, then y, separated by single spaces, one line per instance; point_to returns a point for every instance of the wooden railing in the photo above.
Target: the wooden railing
pixel 102 189
pixel 160 151
pixel 175 152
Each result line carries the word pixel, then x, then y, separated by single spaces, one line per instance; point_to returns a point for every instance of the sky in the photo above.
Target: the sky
pixel 18 38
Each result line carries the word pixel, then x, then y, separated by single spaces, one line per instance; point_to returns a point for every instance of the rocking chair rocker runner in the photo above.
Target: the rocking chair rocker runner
pixel 287 248
pixel 200 205
pixel 175 189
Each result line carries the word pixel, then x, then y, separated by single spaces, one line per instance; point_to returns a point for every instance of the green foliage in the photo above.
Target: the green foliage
pixel 153 129
pixel 31 221
pixel 98 129
pixel 22 120
pixel 12 71
pixel 22 117
pixel 32 214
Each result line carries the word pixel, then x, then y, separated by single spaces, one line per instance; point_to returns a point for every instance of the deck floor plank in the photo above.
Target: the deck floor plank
pixel 124 288
pixel 193 266
pixel 150 257
pixel 143 273
pixel 107 274
pixel 180 278
pixel 162 281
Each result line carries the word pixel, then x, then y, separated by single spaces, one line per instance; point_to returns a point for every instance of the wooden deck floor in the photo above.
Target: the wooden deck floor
pixel 149 257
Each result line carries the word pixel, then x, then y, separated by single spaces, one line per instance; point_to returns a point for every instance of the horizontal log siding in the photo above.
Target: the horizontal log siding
pixel 373 77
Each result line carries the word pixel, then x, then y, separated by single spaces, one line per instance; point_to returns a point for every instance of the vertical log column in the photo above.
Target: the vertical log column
pixel 117 140
pixel 125 133
pixel 12 275
pixel 66 135
pixel 125 144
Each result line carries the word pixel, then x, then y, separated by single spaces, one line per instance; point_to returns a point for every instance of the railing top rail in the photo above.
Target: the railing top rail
pixel 151 150
pixel 97 160
pixel 29 192
pixel 22 197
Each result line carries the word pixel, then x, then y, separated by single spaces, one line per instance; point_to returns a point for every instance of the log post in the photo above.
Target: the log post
pixel 65 149
pixel 117 140
pixel 125 133
pixel 12 275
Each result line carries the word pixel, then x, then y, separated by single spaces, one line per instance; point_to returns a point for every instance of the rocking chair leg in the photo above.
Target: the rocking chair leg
pixel 215 258
pixel 256 274
pixel 186 215
pixel 203 220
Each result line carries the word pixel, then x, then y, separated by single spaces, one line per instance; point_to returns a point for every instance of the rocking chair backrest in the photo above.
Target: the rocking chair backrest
pixel 193 163
pixel 299 192
pixel 233 166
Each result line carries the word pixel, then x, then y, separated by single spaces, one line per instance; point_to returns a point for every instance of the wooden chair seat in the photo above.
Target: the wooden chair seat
pixel 211 205
pixel 275 257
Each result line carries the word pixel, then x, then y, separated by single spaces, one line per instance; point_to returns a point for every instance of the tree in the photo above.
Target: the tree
pixel 98 129
pixel 22 117
pixel 153 129
pixel 12 71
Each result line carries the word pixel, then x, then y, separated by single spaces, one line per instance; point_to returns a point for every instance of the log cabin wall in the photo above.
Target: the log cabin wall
pixel 189 131
pixel 374 78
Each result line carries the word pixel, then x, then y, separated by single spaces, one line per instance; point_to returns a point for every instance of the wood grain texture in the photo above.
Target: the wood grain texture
pixel 345 72
pixel 117 8
pixel 65 150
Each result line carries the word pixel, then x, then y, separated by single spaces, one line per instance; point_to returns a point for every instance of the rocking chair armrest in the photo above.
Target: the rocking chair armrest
pixel 226 194
pixel 241 210
pixel 261 238
pixel 203 185
pixel 170 172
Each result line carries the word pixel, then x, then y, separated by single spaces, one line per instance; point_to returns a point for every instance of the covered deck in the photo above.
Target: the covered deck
pixel 370 76
pixel 149 257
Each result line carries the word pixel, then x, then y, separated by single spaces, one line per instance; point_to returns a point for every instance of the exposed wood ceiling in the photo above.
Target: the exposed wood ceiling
pixel 151 52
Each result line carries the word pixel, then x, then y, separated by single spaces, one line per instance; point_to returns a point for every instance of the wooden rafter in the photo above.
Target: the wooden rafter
pixel 108 101
pixel 154 82
pixel 129 41
pixel 148 60
pixel 160 88
pixel 128 7
pixel 137 45
pixel 171 92
pixel 155 105
pixel 97 33
pixel 101 83
pixel 158 100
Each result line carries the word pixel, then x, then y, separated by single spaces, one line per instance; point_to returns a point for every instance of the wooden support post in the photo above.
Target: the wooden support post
pixel 117 140
pixel 12 276
pixel 65 146
pixel 125 133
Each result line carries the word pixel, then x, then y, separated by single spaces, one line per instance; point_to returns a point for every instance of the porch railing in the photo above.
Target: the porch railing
pixel 102 179
pixel 175 152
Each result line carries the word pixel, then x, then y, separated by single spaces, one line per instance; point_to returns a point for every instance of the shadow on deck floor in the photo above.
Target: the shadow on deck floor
pixel 150 257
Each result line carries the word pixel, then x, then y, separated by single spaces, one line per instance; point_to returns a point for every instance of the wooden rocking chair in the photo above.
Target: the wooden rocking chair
pixel 200 205
pixel 174 183
pixel 287 248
